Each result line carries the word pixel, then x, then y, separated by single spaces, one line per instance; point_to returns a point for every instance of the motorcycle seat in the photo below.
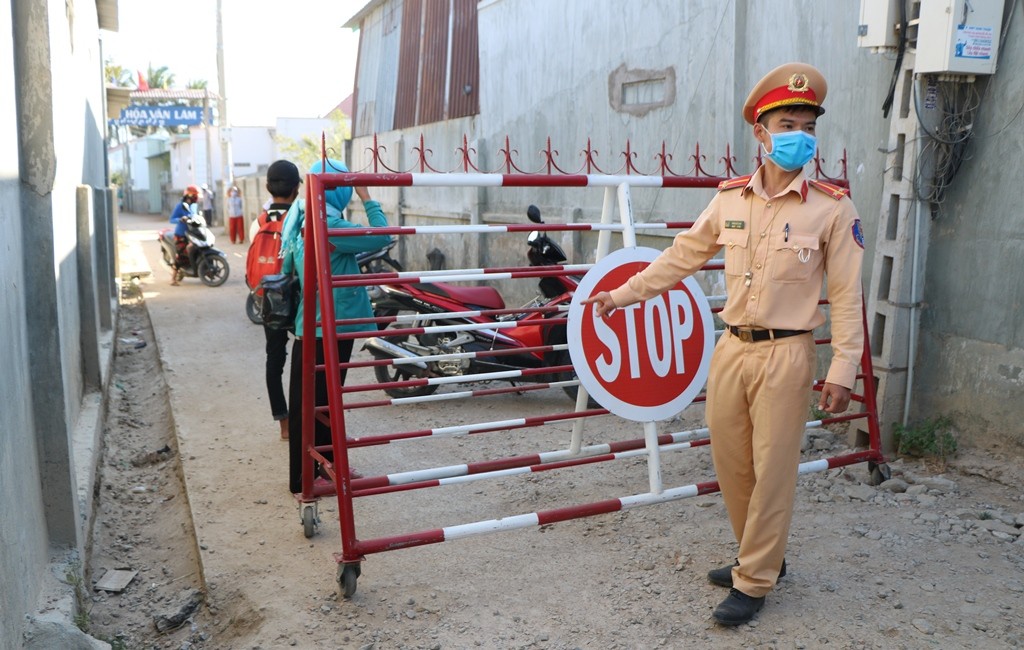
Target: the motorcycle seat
pixel 486 297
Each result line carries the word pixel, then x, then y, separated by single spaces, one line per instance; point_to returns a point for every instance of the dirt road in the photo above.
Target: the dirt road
pixel 935 562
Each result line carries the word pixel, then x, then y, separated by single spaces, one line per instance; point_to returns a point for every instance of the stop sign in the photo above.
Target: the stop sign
pixel 647 361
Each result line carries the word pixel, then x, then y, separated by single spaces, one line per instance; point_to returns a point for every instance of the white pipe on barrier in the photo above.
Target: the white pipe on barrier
pixel 568 269
pixel 604 243
pixel 626 215
pixel 653 457
pixel 522 521
pixel 680 440
pixel 456 179
pixel 443 397
pixel 459 355
pixel 481 229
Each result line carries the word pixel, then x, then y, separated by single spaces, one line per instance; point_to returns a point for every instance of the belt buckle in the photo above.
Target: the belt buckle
pixel 747 336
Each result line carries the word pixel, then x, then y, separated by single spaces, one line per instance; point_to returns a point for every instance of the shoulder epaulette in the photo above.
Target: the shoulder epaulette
pixel 733 183
pixel 834 191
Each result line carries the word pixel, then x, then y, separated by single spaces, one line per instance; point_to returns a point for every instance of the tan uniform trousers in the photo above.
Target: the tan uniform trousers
pixel 758 400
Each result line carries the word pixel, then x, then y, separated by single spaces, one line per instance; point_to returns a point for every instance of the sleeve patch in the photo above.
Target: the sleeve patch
pixel 858 233
pixel 733 183
pixel 834 191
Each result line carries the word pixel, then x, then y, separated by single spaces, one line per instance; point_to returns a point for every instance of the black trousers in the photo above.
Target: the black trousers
pixel 322 434
pixel 277 354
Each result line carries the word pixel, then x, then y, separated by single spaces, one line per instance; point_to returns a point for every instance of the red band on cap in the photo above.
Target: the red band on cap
pixel 785 96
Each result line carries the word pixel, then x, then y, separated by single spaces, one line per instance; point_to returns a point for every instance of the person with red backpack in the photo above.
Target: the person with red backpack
pixel 283 182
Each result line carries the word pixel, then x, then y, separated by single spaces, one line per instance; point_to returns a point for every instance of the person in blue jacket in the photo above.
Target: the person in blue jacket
pixel 349 302
pixel 182 211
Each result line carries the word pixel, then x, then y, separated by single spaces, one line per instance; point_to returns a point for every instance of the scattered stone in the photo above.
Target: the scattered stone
pixel 894 485
pixel 152 457
pixel 994 526
pixel 860 492
pixel 170 621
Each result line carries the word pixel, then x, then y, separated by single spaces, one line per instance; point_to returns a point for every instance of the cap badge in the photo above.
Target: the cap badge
pixel 798 83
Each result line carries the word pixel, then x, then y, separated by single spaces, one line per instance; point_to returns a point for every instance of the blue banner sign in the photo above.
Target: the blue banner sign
pixel 161 116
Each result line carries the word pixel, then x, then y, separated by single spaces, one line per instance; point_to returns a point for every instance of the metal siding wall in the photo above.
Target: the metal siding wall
pixel 465 64
pixel 434 75
pixel 377 71
pixel 387 74
pixel 408 65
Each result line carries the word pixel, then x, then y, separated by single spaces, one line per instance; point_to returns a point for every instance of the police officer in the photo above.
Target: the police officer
pixel 783 233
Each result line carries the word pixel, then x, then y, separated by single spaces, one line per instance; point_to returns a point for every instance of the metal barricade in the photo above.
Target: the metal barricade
pixel 415 379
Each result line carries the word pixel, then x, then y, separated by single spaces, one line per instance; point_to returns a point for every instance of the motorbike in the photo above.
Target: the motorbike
pixel 533 327
pixel 205 261
pixel 377 261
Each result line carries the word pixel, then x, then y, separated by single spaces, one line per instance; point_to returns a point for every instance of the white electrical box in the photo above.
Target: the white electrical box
pixel 879 24
pixel 958 36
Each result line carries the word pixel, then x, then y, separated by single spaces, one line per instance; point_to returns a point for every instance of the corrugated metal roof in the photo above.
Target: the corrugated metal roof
pixel 171 93
pixel 418 64
pixel 433 82
pixel 354 21
pixel 464 78
pixel 406 94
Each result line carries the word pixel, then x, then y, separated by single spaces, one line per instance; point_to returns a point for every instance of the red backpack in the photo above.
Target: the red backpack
pixel 263 258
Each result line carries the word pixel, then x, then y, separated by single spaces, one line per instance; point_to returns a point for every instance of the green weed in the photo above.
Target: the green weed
pixel 932 439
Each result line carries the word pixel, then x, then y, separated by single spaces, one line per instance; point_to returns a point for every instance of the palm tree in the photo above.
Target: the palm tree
pixel 116 75
pixel 160 77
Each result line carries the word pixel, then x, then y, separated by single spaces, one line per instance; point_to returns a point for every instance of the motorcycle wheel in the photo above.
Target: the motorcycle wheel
pixel 213 270
pixel 252 310
pixel 168 259
pixel 388 374
pixel 562 358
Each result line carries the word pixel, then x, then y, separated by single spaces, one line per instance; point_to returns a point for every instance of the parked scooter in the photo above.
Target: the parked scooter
pixel 533 328
pixel 376 261
pixel 205 261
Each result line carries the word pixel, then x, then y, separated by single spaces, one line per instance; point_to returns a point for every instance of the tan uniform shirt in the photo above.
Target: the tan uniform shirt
pixel 787 244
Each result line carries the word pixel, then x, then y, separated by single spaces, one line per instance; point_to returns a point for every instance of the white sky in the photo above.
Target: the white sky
pixel 283 58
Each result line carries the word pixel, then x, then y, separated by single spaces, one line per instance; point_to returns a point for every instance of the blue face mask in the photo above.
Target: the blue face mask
pixel 791 150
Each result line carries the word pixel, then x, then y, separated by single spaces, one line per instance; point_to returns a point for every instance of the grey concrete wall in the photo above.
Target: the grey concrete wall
pixel 970 362
pixel 58 307
pixel 23 538
pixel 550 70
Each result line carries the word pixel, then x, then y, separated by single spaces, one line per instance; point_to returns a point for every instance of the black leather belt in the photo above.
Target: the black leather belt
pixel 753 336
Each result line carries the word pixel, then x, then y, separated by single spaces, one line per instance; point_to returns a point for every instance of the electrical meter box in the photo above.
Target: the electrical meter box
pixel 958 36
pixel 879 20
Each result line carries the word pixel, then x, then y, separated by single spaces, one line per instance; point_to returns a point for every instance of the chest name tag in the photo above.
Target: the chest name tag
pixel 735 225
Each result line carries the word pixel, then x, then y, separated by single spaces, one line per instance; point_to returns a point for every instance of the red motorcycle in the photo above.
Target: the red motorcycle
pixel 473 332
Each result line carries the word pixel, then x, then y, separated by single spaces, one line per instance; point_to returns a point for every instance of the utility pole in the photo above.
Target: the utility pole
pixel 222 106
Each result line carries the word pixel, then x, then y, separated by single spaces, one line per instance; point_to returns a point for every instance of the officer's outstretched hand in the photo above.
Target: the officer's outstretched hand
pixel 834 398
pixel 603 303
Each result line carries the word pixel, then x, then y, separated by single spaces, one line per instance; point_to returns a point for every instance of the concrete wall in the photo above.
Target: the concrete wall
pixel 57 309
pixel 554 70
pixel 970 361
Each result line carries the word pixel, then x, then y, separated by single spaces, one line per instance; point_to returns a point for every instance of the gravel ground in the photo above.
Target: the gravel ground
pixel 934 558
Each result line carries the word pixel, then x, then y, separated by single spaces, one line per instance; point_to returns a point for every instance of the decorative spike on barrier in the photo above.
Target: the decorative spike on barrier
pixel 439 359
pixel 550 166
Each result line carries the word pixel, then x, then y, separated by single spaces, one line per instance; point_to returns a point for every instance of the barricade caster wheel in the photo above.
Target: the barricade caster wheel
pixel 880 472
pixel 309 520
pixel 348 574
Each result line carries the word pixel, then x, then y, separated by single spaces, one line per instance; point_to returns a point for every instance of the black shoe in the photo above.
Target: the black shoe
pixel 723 576
pixel 737 609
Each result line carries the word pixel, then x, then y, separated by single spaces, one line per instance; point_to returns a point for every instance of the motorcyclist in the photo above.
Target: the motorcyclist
pixel 179 216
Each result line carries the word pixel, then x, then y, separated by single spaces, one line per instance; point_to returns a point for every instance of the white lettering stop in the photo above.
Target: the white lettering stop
pixel 667 323
pixel 646 361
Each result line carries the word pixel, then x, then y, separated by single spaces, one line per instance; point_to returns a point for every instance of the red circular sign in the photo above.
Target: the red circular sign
pixel 647 361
